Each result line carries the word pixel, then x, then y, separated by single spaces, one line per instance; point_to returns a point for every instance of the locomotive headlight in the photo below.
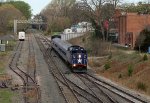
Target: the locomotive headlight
pixel 74 65
pixel 79 56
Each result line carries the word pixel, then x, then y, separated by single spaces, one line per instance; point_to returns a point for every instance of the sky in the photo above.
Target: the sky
pixel 38 5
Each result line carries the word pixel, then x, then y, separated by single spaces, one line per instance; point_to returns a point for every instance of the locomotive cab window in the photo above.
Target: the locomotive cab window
pixel 78 51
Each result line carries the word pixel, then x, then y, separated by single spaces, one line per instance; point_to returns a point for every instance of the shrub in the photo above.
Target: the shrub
pixel 120 76
pixel 83 39
pixel 2 54
pixel 145 57
pixel 130 70
pixel 89 51
pixel 110 56
pixel 141 86
pixel 107 66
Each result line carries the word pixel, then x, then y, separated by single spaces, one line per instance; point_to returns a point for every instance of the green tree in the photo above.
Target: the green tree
pixel 8 14
pixel 23 7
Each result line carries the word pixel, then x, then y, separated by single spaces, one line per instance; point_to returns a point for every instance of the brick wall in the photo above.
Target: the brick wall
pixel 130 25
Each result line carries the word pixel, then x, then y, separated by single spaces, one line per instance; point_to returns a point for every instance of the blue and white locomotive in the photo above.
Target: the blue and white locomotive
pixel 75 55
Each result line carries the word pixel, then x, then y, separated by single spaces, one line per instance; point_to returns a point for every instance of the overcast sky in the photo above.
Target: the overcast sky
pixel 38 5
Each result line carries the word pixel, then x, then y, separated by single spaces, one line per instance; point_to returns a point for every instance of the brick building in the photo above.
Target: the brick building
pixel 129 26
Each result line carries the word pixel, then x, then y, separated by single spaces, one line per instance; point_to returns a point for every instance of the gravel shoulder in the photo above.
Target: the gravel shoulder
pixel 49 88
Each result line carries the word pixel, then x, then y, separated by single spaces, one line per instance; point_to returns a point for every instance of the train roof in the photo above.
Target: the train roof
pixel 64 45
pixel 61 43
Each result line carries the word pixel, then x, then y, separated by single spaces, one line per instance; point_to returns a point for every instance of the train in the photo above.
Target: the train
pixel 74 55
pixel 21 36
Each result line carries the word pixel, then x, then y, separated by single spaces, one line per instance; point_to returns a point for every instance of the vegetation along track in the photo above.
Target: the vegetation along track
pixel 31 90
pixel 110 87
pixel 95 89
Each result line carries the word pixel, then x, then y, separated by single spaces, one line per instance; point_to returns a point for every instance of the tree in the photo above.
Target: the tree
pixel 140 41
pixel 23 7
pixel 66 6
pixel 57 14
pixel 143 41
pixel 8 14
pixel 98 12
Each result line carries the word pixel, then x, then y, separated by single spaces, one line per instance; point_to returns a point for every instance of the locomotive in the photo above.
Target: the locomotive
pixel 74 55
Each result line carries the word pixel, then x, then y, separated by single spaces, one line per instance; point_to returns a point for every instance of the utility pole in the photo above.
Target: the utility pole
pixel 15 27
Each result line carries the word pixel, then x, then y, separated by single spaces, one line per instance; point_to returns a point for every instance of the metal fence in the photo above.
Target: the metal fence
pixel 70 36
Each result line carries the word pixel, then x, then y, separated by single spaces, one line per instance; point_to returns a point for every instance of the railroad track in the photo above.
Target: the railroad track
pixel 31 91
pixel 75 89
pixel 96 91
pixel 101 91
pixel 13 63
pixel 84 92
pixel 65 89
pixel 122 93
pixel 78 90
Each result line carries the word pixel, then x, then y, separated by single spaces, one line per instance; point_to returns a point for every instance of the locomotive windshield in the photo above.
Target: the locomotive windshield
pixel 78 51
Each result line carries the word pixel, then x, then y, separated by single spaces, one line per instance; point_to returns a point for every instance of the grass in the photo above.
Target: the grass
pixel 141 86
pixel 10 45
pixel 2 66
pixel 3 56
pixel 126 67
pixel 107 66
pixel 1 70
pixel 120 76
pixel 55 33
pixel 130 70
pixel 145 57
pixel 6 96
